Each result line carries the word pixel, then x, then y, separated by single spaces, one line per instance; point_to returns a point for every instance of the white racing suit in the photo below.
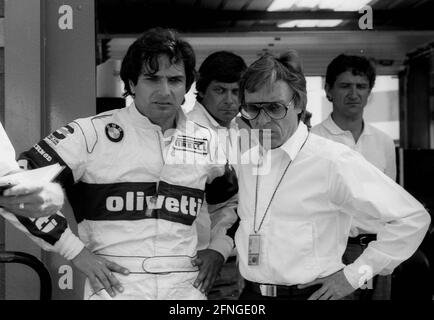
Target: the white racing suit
pixel 135 195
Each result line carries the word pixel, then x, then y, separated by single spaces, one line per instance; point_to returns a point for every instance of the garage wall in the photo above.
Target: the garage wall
pixel 2 109
pixel 22 120
pixel 50 80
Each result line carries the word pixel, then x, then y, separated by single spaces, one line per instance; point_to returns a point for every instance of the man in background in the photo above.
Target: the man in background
pixel 216 107
pixel 349 82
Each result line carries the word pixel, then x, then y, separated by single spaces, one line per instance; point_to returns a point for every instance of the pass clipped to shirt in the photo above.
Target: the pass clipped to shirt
pixel 254 249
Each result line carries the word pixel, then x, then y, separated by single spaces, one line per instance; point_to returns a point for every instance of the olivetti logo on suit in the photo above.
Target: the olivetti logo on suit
pixel 140 200
pixel 137 201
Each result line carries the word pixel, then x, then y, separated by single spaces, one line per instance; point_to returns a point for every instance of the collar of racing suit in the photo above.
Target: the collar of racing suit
pixel 141 121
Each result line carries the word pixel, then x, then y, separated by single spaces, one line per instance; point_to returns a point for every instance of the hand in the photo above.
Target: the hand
pixel 334 287
pixel 99 271
pixel 210 263
pixel 32 199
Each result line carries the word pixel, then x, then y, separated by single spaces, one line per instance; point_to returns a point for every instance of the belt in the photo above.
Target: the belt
pixel 362 239
pixel 154 265
pixel 276 290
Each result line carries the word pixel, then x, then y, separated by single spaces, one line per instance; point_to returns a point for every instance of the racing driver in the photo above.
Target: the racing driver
pixel 135 178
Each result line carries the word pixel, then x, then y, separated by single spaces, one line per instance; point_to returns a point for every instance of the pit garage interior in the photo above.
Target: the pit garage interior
pixel 60 60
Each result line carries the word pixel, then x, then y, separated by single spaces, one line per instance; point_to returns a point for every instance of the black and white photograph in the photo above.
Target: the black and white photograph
pixel 218 155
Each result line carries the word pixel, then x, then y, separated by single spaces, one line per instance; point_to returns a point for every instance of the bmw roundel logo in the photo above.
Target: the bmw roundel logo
pixel 113 132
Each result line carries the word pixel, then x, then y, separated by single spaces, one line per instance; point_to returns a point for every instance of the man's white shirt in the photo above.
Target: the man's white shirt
pixel 375 146
pixel 305 231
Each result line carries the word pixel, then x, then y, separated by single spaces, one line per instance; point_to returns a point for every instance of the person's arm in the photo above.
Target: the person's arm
pixel 53 230
pixel 70 147
pixel 27 199
pixel 32 199
pixel 360 189
pixel 222 201
pixel 50 233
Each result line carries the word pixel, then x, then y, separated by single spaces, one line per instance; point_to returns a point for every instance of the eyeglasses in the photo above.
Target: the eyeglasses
pixel 275 110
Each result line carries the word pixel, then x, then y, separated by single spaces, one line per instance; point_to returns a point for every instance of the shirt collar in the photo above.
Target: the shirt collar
pixel 333 128
pixel 293 145
pixel 366 129
pixel 141 121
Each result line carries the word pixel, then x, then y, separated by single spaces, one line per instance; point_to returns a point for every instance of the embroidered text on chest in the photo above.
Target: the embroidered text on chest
pixel 191 144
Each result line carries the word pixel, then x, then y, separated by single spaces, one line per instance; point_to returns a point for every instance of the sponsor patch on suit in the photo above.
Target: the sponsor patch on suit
pixel 191 144
pixel 114 132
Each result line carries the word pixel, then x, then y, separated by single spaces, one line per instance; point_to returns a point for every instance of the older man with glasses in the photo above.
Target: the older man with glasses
pixel 299 194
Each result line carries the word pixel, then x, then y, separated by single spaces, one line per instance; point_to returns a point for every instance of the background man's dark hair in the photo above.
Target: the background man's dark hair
pixel 144 52
pixel 359 66
pixel 221 66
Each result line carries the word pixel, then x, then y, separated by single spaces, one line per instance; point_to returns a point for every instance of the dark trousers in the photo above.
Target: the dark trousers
pixel 229 282
pixel 411 279
pixel 252 292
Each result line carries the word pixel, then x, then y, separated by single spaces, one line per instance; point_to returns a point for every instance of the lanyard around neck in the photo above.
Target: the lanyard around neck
pixel 274 192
